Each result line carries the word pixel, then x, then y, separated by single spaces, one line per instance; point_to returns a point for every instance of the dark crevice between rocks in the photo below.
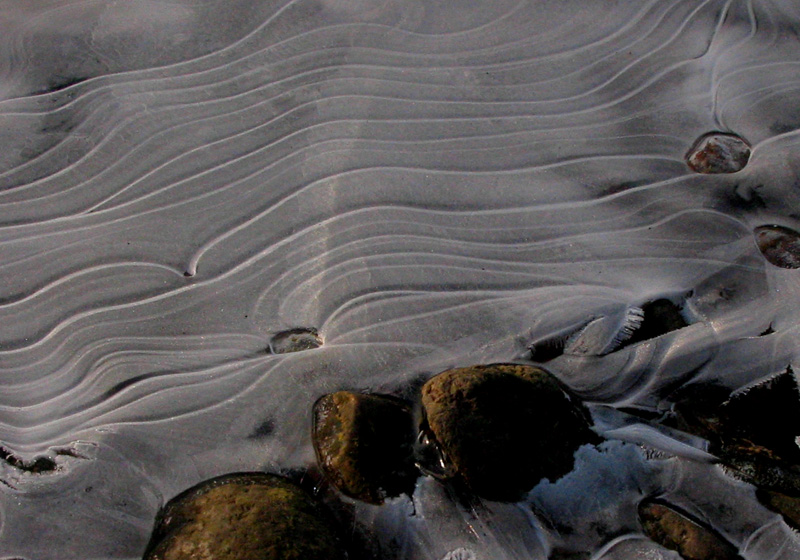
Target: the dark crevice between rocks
pixel 295 340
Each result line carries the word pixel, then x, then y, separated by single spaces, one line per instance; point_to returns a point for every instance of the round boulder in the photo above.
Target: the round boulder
pixel 504 427
pixel 248 516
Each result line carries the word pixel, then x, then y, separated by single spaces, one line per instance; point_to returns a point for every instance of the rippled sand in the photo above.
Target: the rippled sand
pixel 424 184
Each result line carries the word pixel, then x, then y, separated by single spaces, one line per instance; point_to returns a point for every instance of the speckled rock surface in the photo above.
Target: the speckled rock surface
pixel 249 516
pixel 364 444
pixel 719 153
pixel 504 427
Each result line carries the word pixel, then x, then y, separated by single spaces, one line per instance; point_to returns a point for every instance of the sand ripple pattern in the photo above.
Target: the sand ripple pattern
pixel 427 184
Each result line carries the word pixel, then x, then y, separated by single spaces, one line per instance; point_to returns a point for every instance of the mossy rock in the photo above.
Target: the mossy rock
pixel 674 530
pixel 504 427
pixel 364 445
pixel 247 516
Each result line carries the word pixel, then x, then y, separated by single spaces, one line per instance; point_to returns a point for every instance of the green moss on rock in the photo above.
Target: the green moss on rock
pixel 251 516
pixel 504 427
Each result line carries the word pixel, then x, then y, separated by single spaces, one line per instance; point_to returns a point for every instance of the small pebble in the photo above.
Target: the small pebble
pixel 295 340
pixel 718 153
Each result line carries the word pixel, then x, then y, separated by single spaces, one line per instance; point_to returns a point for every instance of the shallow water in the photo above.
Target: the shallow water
pixel 423 185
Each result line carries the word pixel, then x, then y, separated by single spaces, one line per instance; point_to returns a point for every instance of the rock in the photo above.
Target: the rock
pixel 787 506
pixel 675 531
pixel 364 445
pixel 752 431
pixel 757 431
pixel 294 340
pixel 246 516
pixel 779 245
pixel 504 427
pixel 718 152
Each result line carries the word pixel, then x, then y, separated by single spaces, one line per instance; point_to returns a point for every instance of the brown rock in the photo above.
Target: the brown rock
pixel 504 427
pixel 364 444
pixel 248 516
pixel 672 529
pixel 779 245
pixel 718 152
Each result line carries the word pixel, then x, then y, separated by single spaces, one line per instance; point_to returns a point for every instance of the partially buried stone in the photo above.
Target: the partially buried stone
pixel 779 245
pixel 718 152
pixel 504 427
pixel 295 340
pixel 675 531
pixel 247 516
pixel 364 445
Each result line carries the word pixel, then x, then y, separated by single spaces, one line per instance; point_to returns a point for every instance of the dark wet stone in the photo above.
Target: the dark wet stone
pixel 247 516
pixel 779 245
pixel 364 445
pixel 504 427
pixel 718 152
pixel 675 531
pixel 294 340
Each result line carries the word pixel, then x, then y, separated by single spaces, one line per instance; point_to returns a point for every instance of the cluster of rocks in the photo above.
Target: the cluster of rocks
pixel 496 430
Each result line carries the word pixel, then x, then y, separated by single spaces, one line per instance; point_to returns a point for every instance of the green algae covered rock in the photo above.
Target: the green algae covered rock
pixel 248 516
pixel 504 427
pixel 364 445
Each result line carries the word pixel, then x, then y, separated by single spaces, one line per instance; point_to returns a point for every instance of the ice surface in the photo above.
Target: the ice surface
pixel 425 184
